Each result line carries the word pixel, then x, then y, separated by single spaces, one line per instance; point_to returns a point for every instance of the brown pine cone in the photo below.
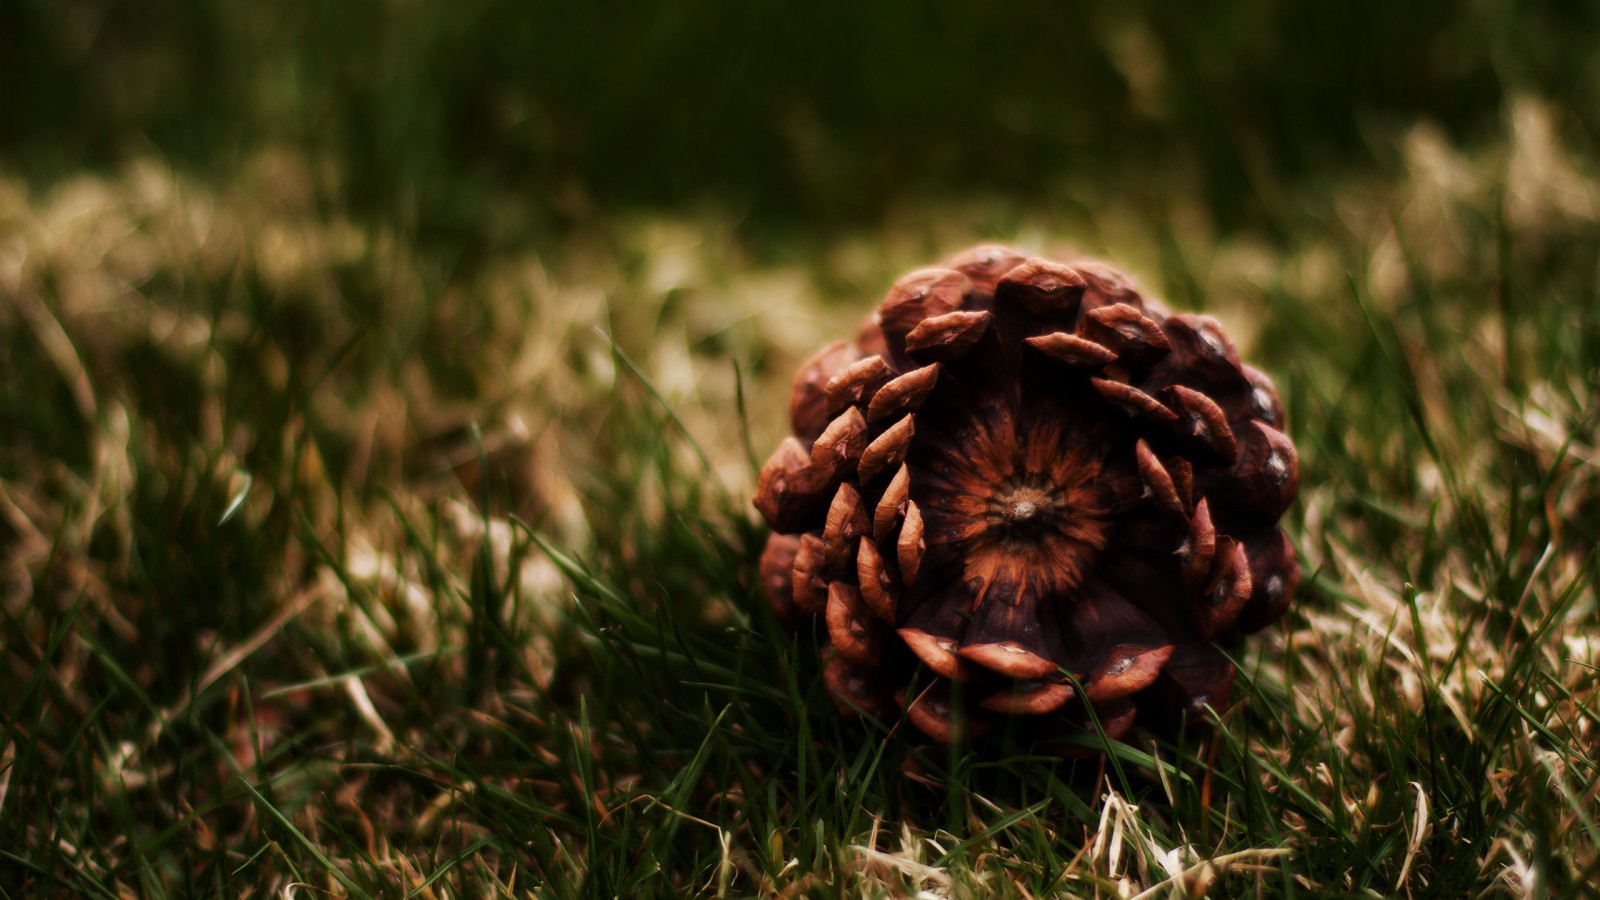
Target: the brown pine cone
pixel 1021 469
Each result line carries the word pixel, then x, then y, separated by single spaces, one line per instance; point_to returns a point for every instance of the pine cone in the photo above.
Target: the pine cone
pixel 1021 469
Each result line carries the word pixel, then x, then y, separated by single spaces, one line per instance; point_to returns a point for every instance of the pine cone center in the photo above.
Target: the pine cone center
pixel 1022 512
pixel 1016 500
pixel 1027 512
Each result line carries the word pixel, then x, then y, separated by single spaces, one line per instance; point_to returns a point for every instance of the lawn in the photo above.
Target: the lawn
pixel 382 388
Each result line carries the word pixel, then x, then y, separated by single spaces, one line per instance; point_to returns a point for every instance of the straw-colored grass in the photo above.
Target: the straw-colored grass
pixel 328 565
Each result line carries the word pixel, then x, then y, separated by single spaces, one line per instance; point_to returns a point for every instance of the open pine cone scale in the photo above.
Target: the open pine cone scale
pixel 1018 471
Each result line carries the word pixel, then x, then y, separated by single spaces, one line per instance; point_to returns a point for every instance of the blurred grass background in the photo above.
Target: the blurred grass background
pixel 493 116
pixel 378 383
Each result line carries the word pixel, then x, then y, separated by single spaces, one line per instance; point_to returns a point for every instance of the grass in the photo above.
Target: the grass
pixel 336 564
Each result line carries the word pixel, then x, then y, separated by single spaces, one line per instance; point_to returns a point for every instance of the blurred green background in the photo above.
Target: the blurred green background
pixel 477 119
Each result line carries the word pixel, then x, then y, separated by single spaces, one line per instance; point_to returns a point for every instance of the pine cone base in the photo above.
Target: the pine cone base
pixel 1025 490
